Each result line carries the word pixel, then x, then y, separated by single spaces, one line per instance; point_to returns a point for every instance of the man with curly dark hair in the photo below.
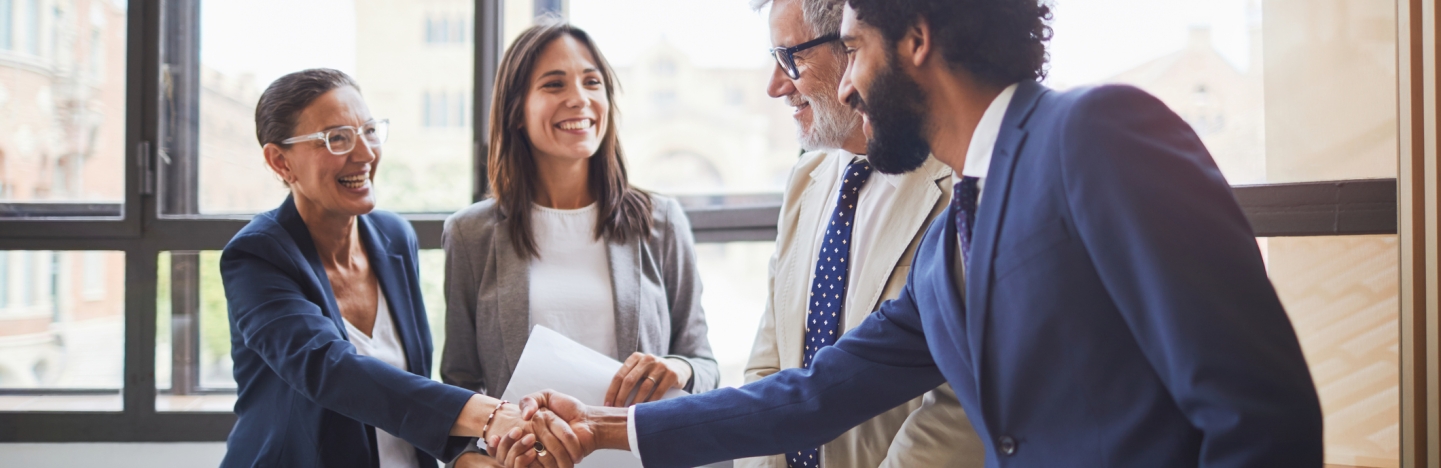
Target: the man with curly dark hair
pixel 1094 294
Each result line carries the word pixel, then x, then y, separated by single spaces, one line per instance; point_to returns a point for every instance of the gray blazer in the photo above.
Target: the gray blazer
pixel 487 294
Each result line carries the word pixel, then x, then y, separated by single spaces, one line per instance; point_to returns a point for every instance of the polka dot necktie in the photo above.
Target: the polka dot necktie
pixel 964 203
pixel 828 292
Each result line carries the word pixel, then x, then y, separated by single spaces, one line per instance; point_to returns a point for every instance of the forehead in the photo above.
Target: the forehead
pixel 339 106
pixel 566 54
pixel 851 27
pixel 788 26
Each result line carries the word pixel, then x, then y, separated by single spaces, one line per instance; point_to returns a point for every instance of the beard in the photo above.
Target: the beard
pixel 831 121
pixel 896 112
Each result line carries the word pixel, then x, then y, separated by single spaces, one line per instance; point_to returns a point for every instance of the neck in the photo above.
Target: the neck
pixel 856 143
pixel 563 184
pixel 957 104
pixel 336 239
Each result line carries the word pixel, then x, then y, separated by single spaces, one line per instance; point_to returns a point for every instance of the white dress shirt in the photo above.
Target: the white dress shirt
pixel 570 288
pixel 383 343
pixel 978 162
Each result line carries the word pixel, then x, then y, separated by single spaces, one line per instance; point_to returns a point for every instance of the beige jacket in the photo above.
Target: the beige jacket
pixel 930 431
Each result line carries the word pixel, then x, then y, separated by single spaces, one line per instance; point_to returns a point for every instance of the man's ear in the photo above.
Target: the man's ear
pixel 916 46
pixel 278 163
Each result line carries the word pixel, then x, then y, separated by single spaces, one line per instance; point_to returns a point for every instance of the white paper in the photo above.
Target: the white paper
pixel 552 361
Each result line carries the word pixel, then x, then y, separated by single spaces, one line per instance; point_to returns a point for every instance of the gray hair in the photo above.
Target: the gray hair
pixel 823 16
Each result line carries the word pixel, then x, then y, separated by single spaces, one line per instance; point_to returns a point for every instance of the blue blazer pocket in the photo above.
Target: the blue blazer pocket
pixel 1018 250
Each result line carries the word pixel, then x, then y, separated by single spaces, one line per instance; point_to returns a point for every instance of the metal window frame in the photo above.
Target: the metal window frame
pixel 1328 208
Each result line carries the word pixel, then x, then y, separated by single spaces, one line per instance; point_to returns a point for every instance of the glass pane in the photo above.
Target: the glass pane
pixel 1279 90
pixel 210 375
pixel 1342 295
pixel 62 330
pixel 734 277
pixel 695 117
pixel 413 61
pixel 62 85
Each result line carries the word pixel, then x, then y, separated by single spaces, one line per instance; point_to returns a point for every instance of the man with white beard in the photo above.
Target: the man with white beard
pixel 844 246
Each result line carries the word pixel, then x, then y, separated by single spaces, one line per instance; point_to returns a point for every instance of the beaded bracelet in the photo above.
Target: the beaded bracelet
pixel 485 430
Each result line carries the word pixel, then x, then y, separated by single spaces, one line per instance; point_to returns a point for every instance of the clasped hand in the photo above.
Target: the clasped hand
pixel 553 432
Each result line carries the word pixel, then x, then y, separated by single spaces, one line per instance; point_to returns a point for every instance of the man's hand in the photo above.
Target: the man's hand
pixel 648 376
pixel 580 429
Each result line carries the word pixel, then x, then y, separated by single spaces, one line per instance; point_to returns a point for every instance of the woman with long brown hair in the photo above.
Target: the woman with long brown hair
pixel 565 241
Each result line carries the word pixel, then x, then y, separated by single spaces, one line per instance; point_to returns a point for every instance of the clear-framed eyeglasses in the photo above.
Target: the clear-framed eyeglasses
pixel 341 140
pixel 786 56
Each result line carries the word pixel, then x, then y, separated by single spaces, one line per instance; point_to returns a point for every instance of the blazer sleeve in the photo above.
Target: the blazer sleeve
pixel 881 363
pixel 689 334
pixel 1174 250
pixel 272 315
pixel 460 363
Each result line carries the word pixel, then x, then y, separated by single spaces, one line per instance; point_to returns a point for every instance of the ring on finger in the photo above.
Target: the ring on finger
pixel 653 380
pixel 540 450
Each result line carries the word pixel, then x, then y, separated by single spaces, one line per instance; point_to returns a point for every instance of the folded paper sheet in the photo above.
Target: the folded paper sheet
pixel 552 361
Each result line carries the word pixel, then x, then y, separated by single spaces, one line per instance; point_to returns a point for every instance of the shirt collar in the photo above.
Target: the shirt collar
pixel 988 130
pixel 846 157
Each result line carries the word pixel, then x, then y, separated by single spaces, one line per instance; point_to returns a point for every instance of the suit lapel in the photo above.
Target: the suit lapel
pixel 512 297
pixel 990 213
pixel 916 189
pixel 625 282
pixel 389 271
pixel 289 218
pixel 793 277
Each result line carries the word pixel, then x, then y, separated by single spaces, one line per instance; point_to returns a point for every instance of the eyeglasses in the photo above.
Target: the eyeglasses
pixel 786 56
pixel 341 140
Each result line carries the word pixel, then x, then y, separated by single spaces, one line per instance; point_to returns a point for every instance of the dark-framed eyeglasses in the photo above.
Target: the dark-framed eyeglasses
pixel 786 56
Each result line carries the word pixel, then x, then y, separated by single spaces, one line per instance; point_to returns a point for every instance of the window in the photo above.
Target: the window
pixel 61 339
pixel 63 150
pixel 7 24
pixel 421 170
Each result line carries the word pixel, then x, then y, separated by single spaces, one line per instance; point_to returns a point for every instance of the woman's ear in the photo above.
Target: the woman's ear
pixel 278 163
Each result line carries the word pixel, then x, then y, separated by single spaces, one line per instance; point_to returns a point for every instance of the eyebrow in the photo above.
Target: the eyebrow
pixel 848 38
pixel 562 72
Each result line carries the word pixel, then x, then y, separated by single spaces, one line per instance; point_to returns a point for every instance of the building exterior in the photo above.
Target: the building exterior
pixel 62 123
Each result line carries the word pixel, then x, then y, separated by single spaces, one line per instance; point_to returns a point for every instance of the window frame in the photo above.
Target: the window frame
pixel 158 27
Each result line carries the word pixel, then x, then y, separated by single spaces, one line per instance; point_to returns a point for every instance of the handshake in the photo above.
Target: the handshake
pixel 550 430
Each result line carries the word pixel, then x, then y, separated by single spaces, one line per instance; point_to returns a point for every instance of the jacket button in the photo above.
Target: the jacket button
pixel 1008 445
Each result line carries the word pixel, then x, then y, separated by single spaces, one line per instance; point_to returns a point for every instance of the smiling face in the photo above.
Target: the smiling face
pixel 567 105
pixel 822 122
pixel 891 103
pixel 339 185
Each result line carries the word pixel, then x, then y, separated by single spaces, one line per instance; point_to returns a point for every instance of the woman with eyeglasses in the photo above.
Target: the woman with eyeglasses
pixel 566 242
pixel 328 333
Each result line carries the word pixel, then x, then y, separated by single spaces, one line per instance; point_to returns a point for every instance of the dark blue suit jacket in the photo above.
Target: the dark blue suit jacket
pixel 306 398
pixel 1117 313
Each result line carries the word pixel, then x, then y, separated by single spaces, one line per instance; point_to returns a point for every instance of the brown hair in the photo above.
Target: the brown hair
pixel 624 211
pixel 281 103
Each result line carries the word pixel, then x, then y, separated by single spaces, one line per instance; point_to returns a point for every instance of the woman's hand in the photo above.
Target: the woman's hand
pixel 476 460
pixel 648 376
pixel 515 449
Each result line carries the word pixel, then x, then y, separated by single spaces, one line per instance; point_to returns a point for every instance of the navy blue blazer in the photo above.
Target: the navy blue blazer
pixel 305 397
pixel 1117 314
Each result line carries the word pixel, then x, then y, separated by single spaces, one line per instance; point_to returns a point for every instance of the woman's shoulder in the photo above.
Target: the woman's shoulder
pixel 668 217
pixel 481 216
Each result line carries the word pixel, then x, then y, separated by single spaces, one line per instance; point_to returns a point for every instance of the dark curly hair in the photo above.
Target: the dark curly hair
pixel 998 41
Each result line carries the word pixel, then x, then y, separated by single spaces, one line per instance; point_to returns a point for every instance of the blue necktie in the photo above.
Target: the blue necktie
pixel 828 292
pixel 964 203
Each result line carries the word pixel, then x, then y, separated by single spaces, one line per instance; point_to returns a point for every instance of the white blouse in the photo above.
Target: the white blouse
pixel 383 343
pixel 570 288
